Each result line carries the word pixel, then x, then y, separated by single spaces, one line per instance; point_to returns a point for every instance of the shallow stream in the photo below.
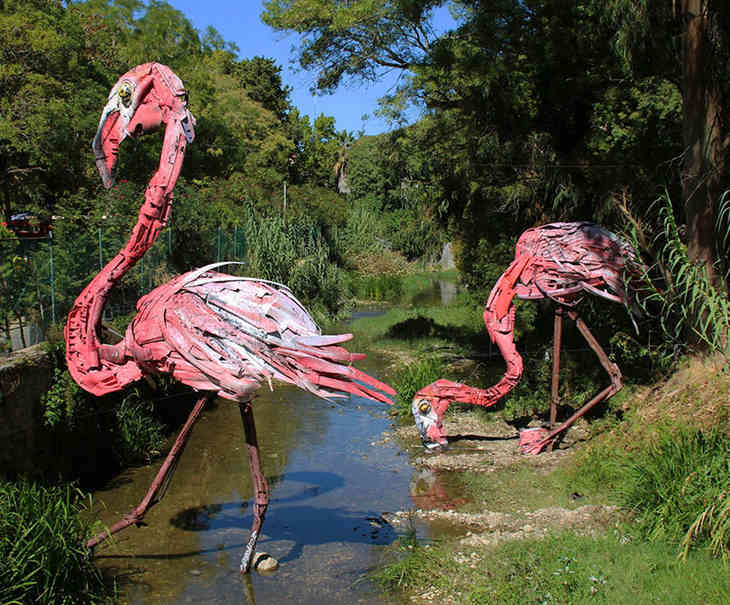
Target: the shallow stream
pixel 332 477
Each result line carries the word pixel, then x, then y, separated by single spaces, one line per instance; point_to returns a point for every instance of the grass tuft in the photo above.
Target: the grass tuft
pixel 43 559
pixel 410 378
pixel 564 567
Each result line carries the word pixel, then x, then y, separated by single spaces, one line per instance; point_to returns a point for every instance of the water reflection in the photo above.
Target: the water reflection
pixel 441 292
pixel 329 488
pixel 429 491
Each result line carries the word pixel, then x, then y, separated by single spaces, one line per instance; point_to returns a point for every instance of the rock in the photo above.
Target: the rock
pixel 264 562
pixel 447 257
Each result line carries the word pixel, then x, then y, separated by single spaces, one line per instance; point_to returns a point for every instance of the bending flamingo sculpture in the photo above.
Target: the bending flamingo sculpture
pixel 560 262
pixel 220 334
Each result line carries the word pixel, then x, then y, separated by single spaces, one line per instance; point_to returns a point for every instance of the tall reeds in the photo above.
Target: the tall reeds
pixel 691 303
pixel 43 559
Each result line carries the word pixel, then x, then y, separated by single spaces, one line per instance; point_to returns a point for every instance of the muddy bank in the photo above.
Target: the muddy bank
pixel 515 509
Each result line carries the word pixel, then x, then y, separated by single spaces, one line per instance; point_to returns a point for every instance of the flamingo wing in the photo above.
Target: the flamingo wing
pixel 225 333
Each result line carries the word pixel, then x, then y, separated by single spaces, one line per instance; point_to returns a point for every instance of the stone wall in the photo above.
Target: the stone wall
pixel 24 378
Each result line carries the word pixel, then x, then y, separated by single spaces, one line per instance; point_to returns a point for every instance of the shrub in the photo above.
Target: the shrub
pixel 674 481
pixel 43 558
pixel 409 379
pixel 139 435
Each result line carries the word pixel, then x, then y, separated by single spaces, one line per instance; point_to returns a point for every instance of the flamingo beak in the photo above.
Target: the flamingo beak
pixel 429 425
pixel 118 111
pixel 106 145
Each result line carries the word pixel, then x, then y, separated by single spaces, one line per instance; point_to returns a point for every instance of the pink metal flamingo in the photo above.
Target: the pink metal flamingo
pixel 220 334
pixel 558 261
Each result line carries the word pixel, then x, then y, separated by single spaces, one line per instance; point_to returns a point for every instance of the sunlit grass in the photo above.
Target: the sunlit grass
pixel 561 568
pixel 43 557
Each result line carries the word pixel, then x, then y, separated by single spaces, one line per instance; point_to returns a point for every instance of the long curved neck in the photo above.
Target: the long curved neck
pixel 84 321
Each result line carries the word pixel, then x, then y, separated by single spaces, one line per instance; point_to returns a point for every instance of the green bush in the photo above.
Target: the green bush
pixel 43 558
pixel 676 483
pixel 120 429
pixel 65 402
pixel 138 435
pixel 410 378
pixel 672 481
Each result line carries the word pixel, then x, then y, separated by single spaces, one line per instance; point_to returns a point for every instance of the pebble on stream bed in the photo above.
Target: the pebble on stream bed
pixel 264 563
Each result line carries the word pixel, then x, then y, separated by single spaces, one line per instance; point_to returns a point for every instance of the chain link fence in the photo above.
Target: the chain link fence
pixel 43 276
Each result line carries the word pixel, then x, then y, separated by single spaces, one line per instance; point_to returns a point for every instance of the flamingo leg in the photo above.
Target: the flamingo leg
pixel 616 383
pixel 557 343
pixel 161 480
pixel 261 487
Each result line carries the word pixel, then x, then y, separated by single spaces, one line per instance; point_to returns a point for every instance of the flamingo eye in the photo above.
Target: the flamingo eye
pixel 424 406
pixel 125 93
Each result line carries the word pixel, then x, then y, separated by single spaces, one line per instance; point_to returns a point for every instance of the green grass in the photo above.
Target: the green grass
pixel 43 559
pixel 519 487
pixel 412 377
pixel 139 435
pixel 561 568
pixel 675 481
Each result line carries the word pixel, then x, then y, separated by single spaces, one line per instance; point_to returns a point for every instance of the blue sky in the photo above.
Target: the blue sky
pixel 238 21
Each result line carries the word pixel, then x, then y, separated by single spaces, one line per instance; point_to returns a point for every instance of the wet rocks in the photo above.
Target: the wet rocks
pixel 264 562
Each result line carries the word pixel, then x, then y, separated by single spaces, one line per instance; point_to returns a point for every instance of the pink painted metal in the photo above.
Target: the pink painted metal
pixel 560 262
pixel 220 334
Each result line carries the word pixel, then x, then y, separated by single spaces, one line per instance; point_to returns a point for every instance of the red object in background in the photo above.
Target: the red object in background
pixel 560 262
pixel 26 225
pixel 220 334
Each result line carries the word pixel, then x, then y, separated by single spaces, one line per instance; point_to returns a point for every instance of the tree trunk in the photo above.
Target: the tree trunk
pixel 8 336
pixel 19 317
pixel 703 130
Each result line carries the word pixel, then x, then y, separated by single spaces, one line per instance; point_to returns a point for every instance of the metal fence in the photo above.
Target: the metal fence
pixel 46 274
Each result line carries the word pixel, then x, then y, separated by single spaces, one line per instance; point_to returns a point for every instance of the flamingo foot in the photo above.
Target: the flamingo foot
pixel 536 448
pixel 534 441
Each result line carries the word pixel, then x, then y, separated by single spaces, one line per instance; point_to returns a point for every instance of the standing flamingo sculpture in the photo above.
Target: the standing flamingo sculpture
pixel 560 262
pixel 220 334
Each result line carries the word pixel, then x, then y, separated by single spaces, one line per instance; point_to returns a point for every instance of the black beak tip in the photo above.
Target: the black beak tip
pixel 433 447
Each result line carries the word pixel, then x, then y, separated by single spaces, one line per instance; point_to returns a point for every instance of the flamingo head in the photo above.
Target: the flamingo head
pixel 429 424
pixel 428 408
pixel 140 102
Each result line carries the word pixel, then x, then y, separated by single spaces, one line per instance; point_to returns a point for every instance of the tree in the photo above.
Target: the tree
pixel 688 42
pixel 261 77
pixel 355 40
pixel 48 85
pixel 527 114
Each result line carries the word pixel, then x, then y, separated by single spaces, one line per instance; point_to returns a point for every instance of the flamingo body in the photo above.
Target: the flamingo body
pixel 222 333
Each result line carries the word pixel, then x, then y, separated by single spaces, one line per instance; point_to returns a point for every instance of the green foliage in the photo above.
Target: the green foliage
pixel 561 568
pixel 412 377
pixel 673 481
pixel 353 40
pixel 689 302
pixel 712 526
pixel 380 287
pixel 412 233
pixel 125 425
pixel 65 401
pixel 43 558
pixel 138 435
